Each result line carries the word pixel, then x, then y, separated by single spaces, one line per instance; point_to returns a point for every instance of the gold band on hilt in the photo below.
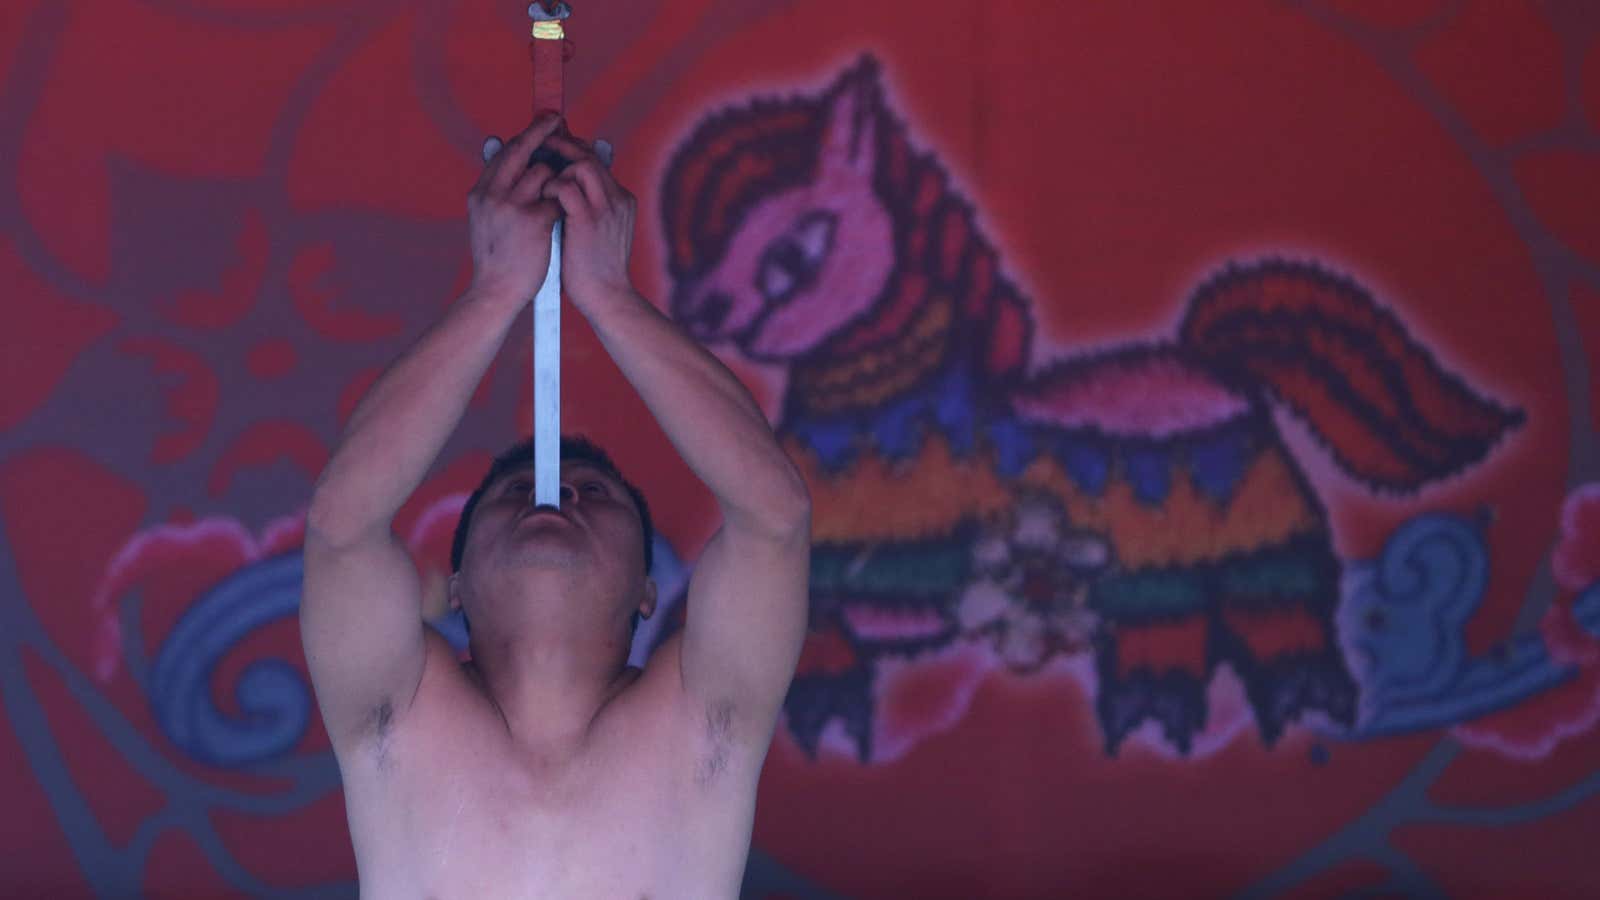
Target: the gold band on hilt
pixel 547 19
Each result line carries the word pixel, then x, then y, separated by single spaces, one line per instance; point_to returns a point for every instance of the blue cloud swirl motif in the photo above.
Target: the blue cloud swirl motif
pixel 1403 621
pixel 273 695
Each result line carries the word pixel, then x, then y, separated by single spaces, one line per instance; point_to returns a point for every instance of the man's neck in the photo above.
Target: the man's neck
pixel 550 689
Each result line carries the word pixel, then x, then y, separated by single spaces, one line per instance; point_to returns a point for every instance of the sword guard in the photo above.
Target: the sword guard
pixel 543 11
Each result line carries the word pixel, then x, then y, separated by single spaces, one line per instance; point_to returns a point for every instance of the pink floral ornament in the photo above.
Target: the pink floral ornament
pixel 220 546
pixel 1531 730
pixel 1577 558
pixel 1031 590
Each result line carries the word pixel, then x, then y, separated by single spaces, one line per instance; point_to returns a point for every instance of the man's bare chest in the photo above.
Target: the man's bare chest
pixel 517 831
pixel 463 817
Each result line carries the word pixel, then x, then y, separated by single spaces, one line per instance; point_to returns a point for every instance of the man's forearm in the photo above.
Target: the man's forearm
pixel 406 417
pixel 707 414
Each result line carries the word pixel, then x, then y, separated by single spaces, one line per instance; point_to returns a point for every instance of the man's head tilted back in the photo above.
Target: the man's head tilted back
pixel 609 516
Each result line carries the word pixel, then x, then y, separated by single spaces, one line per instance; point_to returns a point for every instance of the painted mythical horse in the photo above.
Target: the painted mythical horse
pixel 1136 503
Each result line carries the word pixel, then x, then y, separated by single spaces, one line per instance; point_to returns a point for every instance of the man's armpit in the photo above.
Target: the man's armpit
pixel 382 729
pixel 720 740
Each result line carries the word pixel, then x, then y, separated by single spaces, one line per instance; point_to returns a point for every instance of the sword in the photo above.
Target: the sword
pixel 547 51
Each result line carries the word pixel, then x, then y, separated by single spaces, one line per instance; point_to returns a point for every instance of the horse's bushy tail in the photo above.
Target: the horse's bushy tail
pixel 1317 343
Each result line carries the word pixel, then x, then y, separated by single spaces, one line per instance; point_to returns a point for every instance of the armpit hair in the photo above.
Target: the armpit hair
pixel 719 741
pixel 379 730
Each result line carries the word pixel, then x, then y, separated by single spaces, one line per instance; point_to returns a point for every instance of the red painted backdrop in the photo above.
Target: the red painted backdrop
pixel 223 217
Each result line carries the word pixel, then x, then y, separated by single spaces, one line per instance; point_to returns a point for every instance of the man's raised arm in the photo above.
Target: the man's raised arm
pixel 360 616
pixel 748 595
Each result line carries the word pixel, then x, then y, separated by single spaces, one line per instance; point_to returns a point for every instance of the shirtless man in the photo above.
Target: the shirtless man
pixel 547 767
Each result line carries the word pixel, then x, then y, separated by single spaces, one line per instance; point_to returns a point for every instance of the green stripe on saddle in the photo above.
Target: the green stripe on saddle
pixel 1138 596
pixel 915 569
pixel 1302 571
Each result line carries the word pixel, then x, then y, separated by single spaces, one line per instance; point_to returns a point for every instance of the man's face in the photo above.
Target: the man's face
pixel 595 534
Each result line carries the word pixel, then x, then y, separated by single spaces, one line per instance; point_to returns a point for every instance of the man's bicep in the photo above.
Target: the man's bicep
pixel 746 621
pixel 361 625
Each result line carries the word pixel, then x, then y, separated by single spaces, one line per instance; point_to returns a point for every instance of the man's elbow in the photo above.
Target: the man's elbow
pixel 326 520
pixel 788 512
pixel 774 506
pixel 333 521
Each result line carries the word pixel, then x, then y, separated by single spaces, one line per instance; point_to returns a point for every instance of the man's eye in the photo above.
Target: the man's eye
pixel 594 487
pixel 519 486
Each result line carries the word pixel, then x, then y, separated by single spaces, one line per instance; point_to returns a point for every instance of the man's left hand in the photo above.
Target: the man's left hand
pixel 598 234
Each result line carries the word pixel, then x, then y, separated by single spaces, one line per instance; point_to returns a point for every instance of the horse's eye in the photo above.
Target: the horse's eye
pixel 778 279
pixel 814 236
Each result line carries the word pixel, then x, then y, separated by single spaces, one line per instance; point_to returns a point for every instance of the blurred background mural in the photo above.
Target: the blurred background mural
pixel 1198 401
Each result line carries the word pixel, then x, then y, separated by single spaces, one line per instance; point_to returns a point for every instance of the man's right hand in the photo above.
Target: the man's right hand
pixel 508 220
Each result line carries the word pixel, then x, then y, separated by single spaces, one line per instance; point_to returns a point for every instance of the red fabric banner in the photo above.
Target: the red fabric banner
pixel 1198 402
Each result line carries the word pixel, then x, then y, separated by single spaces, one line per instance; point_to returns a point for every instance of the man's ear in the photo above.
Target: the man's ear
pixel 647 606
pixel 455 590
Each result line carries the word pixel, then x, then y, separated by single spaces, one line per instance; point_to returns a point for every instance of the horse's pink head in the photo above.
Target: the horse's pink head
pixel 778 245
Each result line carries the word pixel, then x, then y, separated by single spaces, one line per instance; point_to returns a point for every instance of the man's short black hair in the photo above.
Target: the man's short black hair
pixel 520 456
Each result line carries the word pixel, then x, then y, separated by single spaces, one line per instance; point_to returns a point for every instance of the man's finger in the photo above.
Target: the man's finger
pixel 598 185
pixel 568 146
pixel 530 187
pixel 595 181
pixel 566 192
pixel 599 147
pixel 491 146
pixel 510 163
pixel 545 213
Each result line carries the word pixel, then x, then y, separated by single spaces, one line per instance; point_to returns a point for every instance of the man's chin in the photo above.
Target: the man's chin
pixel 548 555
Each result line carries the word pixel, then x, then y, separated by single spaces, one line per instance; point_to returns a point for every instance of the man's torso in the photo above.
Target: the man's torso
pixel 658 804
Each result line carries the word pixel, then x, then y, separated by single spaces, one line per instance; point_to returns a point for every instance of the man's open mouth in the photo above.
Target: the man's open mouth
pixel 539 512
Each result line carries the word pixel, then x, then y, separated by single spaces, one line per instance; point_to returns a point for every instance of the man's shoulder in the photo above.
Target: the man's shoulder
pixel 648 696
pixel 705 729
pixel 446 702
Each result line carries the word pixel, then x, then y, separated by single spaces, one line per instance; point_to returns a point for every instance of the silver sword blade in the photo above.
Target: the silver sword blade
pixel 547 381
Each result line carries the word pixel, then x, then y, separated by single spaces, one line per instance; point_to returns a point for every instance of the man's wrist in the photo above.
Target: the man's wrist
pixel 496 295
pixel 603 300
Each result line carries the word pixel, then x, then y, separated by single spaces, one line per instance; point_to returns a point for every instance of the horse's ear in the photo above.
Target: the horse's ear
pixel 851 110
